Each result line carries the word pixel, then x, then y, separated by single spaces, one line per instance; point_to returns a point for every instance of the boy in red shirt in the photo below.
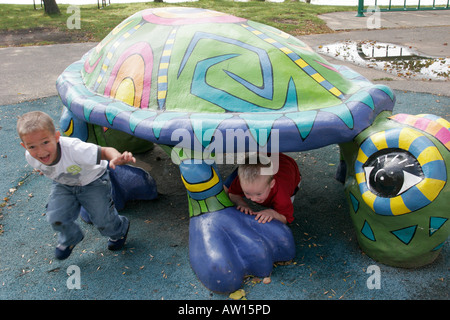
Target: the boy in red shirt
pixel 273 191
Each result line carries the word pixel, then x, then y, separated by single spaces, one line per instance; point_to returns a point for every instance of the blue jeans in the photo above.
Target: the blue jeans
pixel 230 178
pixel 64 206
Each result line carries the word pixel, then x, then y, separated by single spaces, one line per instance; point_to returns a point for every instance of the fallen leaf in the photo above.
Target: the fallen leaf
pixel 256 280
pixel 237 295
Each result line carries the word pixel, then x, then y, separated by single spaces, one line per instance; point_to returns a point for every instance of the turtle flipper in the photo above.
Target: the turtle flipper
pixel 227 245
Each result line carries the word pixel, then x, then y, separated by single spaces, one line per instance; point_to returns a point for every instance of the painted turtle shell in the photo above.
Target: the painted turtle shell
pixel 204 71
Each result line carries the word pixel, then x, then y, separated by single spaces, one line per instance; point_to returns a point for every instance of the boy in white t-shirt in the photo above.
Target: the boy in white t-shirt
pixel 80 178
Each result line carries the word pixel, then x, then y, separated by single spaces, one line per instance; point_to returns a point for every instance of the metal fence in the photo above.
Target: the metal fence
pixel 411 6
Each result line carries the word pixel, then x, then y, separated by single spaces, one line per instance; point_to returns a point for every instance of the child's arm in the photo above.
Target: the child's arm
pixel 116 158
pixel 240 203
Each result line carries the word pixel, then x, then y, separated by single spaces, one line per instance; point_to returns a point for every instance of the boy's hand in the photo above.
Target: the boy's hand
pixel 121 159
pixel 245 209
pixel 240 203
pixel 264 216
pixel 268 215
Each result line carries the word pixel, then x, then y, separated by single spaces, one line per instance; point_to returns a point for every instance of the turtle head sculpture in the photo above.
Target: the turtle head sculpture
pixel 397 188
pixel 201 84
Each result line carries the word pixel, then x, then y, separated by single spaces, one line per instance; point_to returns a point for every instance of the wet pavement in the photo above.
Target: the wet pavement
pixel 397 60
pixel 424 32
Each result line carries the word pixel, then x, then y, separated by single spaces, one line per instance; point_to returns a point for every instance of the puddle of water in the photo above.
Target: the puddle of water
pixel 398 60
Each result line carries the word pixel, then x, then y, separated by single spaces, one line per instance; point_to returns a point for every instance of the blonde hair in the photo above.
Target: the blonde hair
pixel 251 169
pixel 33 121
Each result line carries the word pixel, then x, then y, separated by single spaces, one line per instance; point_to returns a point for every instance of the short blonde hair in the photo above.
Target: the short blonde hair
pixel 250 170
pixel 33 121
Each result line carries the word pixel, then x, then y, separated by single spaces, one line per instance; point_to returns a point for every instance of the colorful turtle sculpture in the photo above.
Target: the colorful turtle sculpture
pixel 201 83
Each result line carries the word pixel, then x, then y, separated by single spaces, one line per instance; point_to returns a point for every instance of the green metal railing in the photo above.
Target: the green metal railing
pixel 361 9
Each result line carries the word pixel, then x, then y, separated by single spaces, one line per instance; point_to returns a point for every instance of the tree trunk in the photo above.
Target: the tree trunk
pixel 51 7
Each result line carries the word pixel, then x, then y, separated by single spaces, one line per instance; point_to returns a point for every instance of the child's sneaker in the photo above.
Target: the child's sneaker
pixel 117 244
pixel 62 252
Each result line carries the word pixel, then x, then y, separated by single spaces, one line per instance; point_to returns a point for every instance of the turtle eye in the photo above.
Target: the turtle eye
pixel 390 173
pixel 399 171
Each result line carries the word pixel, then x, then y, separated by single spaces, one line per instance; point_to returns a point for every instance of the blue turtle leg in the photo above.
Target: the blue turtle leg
pixel 131 183
pixel 128 183
pixel 225 244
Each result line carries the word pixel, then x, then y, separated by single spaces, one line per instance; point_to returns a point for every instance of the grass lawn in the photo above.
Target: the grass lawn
pixel 294 17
